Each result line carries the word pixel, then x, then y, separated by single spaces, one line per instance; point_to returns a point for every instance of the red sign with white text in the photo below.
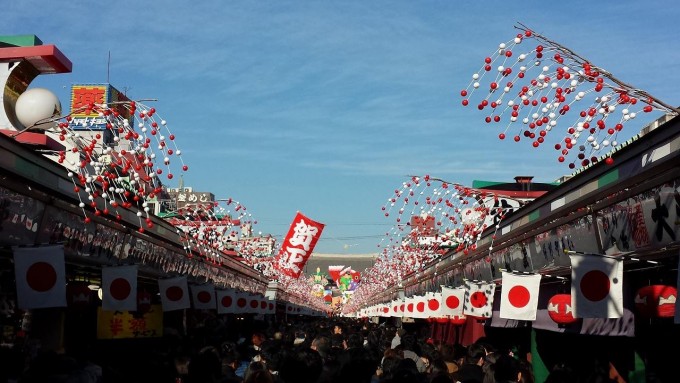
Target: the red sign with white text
pixel 298 245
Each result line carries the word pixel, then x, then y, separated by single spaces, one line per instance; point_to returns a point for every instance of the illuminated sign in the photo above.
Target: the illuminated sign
pixel 83 97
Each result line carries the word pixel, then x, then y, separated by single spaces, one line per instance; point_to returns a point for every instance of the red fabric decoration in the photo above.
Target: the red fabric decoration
pixel 656 301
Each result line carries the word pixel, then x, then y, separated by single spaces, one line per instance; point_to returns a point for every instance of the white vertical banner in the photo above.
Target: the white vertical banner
pixel 40 277
pixel 119 288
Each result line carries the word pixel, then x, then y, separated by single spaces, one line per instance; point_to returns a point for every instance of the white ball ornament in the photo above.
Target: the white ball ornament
pixel 35 107
pixel 475 76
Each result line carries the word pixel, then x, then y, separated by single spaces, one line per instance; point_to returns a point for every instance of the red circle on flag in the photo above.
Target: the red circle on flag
pixel 519 296
pixel 120 289
pixel 595 285
pixel 420 306
pixel 409 307
pixel 271 306
pixel 241 302
pixel 263 305
pixel 203 296
pixel 385 310
pixel 174 293
pixel 41 276
pixel 478 299
pixel 433 304
pixel 452 302
pixel 253 304
pixel 226 301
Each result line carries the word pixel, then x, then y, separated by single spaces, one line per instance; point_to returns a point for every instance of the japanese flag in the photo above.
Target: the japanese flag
pixel 203 296
pixel 242 300
pixel 519 296
pixel 419 307
pixel 226 302
pixel 452 301
pixel 40 277
pixel 174 293
pixel 478 299
pixel 433 304
pixel 596 286
pixel 119 288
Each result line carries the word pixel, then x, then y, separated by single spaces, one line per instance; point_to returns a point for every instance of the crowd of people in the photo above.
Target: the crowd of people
pixel 324 350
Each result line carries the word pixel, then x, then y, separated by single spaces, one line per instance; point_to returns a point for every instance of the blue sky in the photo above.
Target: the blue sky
pixel 326 107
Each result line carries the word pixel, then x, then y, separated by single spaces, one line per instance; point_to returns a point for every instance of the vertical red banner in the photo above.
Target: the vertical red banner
pixel 298 245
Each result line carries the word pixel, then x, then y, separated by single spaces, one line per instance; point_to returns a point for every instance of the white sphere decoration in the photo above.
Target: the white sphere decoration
pixel 475 76
pixel 81 205
pixel 35 105
pixel 501 68
pixel 475 85
pixel 625 111
pixel 615 143
pixel 522 57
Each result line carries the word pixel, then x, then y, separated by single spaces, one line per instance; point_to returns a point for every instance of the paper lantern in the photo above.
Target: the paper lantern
pixel 656 301
pixel 561 310
pixel 79 294
pixel 457 320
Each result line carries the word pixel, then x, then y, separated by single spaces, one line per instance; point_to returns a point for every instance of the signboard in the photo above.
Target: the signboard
pixel 84 95
pixel 125 325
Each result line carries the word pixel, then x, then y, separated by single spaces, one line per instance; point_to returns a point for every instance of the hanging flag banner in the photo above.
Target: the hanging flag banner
pixel 596 286
pixel 203 296
pixel 119 288
pixel 174 293
pixel 226 301
pixel 519 296
pixel 40 277
pixel 298 245
pixel 452 301
pixel 478 299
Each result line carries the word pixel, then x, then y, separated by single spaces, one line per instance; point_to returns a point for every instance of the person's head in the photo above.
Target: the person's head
pixel 258 338
pixel 338 328
pixel 506 368
pixel 257 372
pixel 475 354
pixel 322 345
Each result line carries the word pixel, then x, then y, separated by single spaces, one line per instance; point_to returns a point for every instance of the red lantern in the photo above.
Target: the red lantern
pixel 656 301
pixel 457 320
pixel 79 294
pixel 143 302
pixel 561 310
pixel 441 320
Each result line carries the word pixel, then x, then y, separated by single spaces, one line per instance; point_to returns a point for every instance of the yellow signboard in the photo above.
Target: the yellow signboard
pixel 124 325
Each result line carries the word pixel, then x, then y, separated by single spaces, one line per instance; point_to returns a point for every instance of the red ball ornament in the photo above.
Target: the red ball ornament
pixel 609 161
pixel 560 309
pixel 501 136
